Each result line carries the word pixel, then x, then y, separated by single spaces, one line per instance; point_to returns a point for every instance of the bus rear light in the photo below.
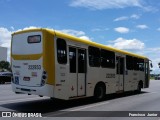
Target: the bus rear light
pixel 44 72
pixel 42 82
pixel 44 78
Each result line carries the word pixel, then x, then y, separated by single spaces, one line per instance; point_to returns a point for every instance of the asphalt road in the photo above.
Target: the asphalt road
pixel 148 100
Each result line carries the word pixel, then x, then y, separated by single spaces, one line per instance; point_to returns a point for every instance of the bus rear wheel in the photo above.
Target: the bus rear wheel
pixel 2 82
pixel 99 92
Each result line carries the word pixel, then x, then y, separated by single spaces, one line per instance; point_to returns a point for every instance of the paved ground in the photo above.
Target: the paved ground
pixel 148 100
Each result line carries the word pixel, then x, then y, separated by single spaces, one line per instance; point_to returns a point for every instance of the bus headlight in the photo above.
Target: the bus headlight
pixel 44 78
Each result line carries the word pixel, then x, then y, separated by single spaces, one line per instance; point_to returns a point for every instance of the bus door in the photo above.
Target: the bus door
pixel 77 71
pixel 120 73
pixel 146 74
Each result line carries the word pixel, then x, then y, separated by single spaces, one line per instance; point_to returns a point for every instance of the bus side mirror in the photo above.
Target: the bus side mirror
pixel 151 65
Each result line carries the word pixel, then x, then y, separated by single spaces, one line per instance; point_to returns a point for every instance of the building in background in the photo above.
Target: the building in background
pixel 3 53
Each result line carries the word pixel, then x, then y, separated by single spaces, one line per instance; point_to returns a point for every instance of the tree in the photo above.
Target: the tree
pixel 159 64
pixel 5 65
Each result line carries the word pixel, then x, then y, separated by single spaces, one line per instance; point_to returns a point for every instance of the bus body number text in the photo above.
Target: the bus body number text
pixel 34 67
pixel 110 75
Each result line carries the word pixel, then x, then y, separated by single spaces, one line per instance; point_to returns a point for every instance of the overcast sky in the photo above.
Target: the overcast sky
pixel 131 25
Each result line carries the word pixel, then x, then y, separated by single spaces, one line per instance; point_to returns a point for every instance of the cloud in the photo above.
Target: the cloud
pixel 106 4
pixel 122 29
pixel 76 33
pixel 99 29
pixel 72 32
pixel 96 29
pixel 12 28
pixel 134 16
pixel 5 36
pixel 142 26
pixel 27 28
pixel 85 38
pixel 150 9
pixel 158 29
pixel 121 18
pixel 155 68
pixel 127 44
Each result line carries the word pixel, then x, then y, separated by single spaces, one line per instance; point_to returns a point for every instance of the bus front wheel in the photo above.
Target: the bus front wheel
pixel 139 87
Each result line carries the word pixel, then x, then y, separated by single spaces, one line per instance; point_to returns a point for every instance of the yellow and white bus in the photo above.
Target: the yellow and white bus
pixel 50 63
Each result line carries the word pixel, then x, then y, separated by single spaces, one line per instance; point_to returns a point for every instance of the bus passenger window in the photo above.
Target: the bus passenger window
pixel 141 64
pixel 72 59
pixel 136 66
pixel 81 61
pixel 94 56
pixel 107 59
pixel 61 51
pixel 130 62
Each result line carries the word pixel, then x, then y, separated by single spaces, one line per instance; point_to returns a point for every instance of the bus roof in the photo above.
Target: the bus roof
pixel 88 42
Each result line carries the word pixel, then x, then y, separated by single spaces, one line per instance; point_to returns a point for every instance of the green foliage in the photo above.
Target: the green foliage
pixel 5 65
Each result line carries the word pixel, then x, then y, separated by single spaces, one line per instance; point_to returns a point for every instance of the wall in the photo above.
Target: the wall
pixel 3 53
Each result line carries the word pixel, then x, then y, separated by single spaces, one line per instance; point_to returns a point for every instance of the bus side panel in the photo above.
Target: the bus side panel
pixel 89 79
pixel 129 82
pixel 61 76
pixel 108 76
pixel 98 74
pixel 93 74
pixel 49 58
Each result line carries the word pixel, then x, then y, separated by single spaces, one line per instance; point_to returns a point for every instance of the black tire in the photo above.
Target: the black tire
pixel 52 98
pixel 139 88
pixel 99 92
pixel 2 82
